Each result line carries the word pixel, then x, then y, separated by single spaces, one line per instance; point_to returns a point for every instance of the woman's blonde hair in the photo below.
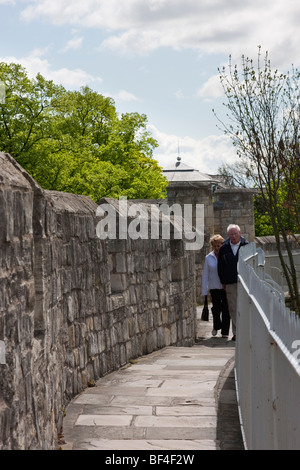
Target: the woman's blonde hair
pixel 216 238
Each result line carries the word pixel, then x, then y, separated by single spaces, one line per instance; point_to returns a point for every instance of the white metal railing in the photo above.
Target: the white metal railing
pixel 267 365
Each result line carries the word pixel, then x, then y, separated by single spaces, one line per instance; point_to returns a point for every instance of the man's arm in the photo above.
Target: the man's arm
pixel 221 266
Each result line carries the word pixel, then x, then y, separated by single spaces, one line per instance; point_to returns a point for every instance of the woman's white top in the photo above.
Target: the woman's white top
pixel 210 277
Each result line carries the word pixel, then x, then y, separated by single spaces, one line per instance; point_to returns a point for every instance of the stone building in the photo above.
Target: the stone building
pixel 223 205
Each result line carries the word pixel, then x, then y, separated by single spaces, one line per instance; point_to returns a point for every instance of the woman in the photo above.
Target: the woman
pixel 211 283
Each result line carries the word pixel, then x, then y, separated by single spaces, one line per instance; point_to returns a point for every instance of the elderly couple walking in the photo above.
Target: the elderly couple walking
pixel 220 278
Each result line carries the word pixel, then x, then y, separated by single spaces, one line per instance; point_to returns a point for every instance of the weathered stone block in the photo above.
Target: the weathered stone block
pixel 118 282
pixel 121 265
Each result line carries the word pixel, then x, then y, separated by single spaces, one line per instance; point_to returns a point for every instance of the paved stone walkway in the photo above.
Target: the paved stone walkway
pixel 175 398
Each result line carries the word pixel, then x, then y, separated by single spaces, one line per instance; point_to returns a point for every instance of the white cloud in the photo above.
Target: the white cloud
pixel 179 94
pixel 205 155
pixel 73 45
pixel 35 63
pixel 124 95
pixel 72 78
pixel 209 26
pixel 211 89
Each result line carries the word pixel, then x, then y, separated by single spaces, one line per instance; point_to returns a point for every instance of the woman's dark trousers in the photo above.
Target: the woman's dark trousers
pixel 220 312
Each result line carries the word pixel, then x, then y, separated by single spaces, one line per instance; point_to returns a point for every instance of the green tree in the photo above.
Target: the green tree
pixel 235 174
pixel 74 141
pixel 263 122
pixel 25 114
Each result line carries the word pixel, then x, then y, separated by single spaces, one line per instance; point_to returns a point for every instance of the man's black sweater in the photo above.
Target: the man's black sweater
pixel 227 262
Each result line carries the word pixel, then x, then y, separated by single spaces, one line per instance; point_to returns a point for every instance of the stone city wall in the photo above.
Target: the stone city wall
pixel 73 307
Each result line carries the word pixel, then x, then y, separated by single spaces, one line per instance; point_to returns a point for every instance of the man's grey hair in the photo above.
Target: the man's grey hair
pixel 237 227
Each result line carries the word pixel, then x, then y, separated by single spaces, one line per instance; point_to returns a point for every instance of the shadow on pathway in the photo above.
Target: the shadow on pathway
pixel 229 434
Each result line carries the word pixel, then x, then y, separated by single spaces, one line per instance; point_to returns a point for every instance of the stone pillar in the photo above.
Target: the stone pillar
pixel 195 192
pixel 234 206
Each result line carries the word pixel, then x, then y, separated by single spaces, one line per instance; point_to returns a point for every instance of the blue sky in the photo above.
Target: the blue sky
pixel 156 57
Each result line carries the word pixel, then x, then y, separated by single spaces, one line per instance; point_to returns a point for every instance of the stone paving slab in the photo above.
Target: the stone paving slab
pixel 192 410
pixel 170 399
pixel 104 444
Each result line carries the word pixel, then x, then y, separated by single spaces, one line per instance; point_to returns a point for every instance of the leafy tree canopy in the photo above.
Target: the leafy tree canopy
pixel 75 141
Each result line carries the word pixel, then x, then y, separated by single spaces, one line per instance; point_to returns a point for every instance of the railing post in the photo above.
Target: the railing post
pixel 260 268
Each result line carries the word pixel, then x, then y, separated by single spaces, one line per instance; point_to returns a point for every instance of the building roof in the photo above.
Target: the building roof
pixel 180 172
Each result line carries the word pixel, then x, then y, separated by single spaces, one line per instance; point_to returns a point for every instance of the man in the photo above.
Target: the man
pixel 227 269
